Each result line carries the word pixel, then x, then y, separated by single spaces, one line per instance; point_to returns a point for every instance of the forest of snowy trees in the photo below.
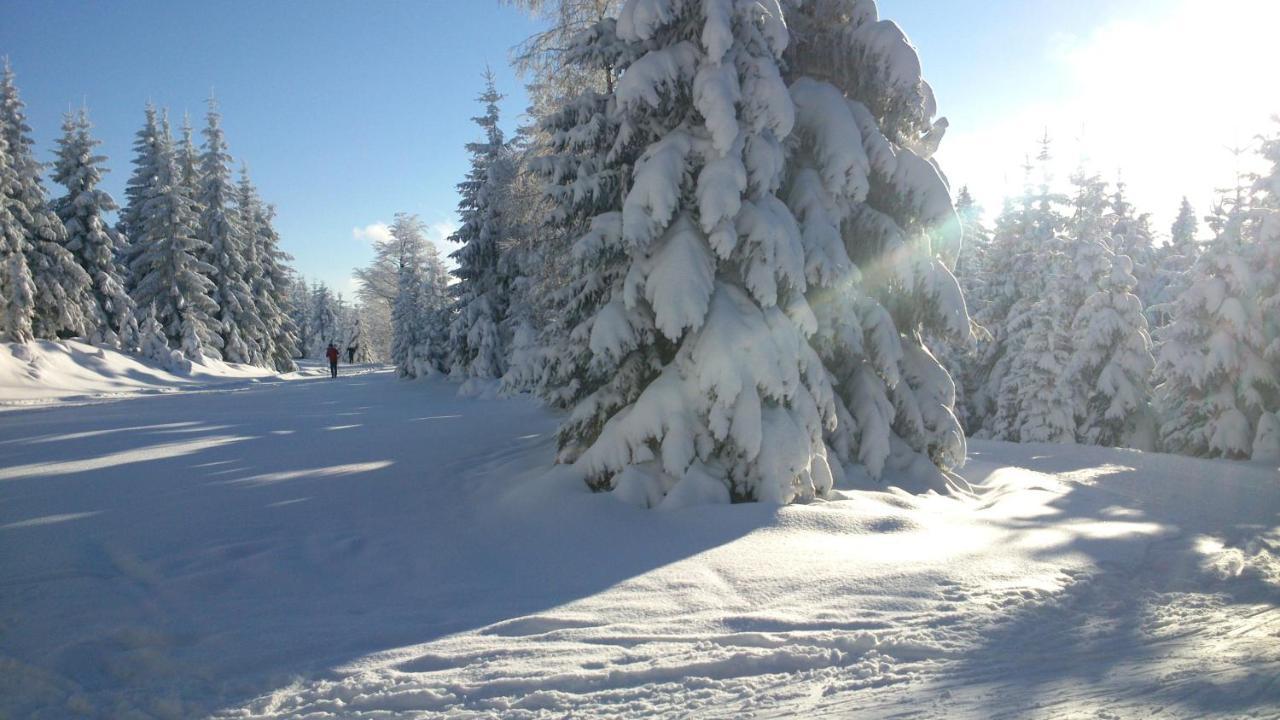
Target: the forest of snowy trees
pixel 191 270
pixel 722 246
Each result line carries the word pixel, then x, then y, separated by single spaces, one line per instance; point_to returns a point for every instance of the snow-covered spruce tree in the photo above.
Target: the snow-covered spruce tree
pixel 17 291
pixel 270 279
pixel 61 302
pixel 226 243
pixel 153 344
pixel 477 348
pixel 355 335
pixel 1131 235
pixel 973 272
pixel 582 269
pixel 1110 347
pixel 1111 364
pixel 146 166
pixel 95 245
pixel 880 235
pixel 713 261
pixel 1214 378
pixel 1026 363
pixel 961 360
pixel 168 274
pixel 522 258
pixel 404 321
pixel 323 319
pixel 710 331
pixel 1265 225
pixel 1173 264
pixel 419 331
pixel 1039 401
pixel 434 314
pixel 299 309
pixel 1007 258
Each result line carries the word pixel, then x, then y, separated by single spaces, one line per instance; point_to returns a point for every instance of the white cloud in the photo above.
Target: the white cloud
pixel 439 233
pixel 376 232
pixel 1157 101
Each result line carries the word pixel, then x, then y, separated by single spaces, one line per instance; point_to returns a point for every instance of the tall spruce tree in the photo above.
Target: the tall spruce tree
pixel 169 275
pixel 1214 377
pixel 582 169
pixel 222 232
pixel 415 332
pixel 95 245
pixel 1110 348
pixel 864 186
pixel 1111 363
pixel 270 279
pixel 61 303
pixel 1028 359
pixel 1265 224
pixel 477 346
pixel 17 290
pixel 146 168
pixel 729 222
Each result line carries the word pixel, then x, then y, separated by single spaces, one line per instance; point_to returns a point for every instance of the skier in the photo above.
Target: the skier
pixel 351 354
pixel 332 354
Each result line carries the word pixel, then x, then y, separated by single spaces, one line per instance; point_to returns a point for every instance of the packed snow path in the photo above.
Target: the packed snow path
pixel 366 547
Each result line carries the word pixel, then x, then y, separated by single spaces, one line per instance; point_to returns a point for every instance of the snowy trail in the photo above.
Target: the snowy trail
pixel 161 554
pixel 372 548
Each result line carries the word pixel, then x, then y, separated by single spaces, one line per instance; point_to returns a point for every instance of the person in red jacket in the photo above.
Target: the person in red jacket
pixel 332 354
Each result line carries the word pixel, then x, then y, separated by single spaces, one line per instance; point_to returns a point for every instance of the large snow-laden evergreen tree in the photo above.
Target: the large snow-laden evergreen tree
pixel 962 359
pixel 1026 362
pixel 61 304
pixel 146 167
pixel 404 320
pixel 477 347
pixel 1265 224
pixel 222 231
pixel 17 291
pixel 1008 259
pixel 1111 363
pixel 275 332
pixel 1110 348
pixel 709 332
pixel 435 307
pixel 169 276
pixel 95 245
pixel 1110 358
pixel 582 169
pixel 881 237
pixel 714 262
pixel 1214 378
pixel 419 328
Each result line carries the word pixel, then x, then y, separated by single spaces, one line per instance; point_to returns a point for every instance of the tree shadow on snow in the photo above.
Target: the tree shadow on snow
pixel 198 551
pixel 1135 632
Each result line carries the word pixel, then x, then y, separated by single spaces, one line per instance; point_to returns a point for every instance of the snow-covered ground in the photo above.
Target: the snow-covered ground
pixel 367 547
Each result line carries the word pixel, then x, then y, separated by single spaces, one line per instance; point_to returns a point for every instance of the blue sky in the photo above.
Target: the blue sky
pixel 349 112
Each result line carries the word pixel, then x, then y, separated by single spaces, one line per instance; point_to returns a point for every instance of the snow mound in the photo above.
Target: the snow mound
pixel 45 371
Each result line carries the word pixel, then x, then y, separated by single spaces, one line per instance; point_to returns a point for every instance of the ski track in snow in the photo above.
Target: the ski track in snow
pixel 370 548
